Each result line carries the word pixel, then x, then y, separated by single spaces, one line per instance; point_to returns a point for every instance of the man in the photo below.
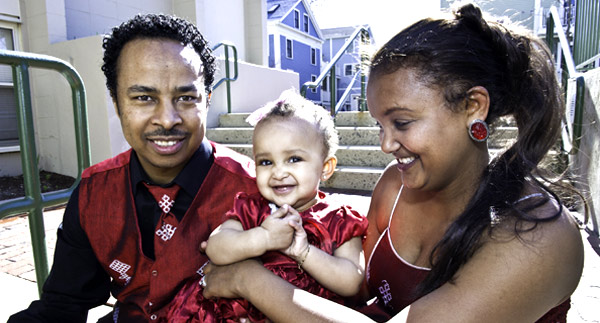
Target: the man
pixel 134 224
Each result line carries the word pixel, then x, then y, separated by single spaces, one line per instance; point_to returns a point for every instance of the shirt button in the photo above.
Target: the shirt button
pixel 154 273
pixel 153 317
pixel 150 304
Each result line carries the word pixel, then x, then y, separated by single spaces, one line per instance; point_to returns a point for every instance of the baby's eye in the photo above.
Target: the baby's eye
pixel 263 162
pixel 295 159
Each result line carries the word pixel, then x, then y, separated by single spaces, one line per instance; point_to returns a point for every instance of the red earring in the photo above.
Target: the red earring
pixel 478 130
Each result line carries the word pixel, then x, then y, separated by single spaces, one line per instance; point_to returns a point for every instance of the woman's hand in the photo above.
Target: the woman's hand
pixel 228 281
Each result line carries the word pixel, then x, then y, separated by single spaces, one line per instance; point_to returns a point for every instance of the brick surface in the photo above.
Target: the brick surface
pixel 16 257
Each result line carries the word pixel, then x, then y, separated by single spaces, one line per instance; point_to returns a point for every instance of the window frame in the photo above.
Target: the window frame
pixel 305 23
pixel 296 18
pixel 352 70
pixel 312 79
pixel 7 146
pixel 313 56
pixel 289 50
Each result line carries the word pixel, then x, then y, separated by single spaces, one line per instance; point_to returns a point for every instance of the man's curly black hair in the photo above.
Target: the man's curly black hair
pixel 155 26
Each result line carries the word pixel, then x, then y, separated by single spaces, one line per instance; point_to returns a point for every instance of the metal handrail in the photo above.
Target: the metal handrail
pixel 34 201
pixel 227 77
pixel 344 96
pixel 571 136
pixel 330 69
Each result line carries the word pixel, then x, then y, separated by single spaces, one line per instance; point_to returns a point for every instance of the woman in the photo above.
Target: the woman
pixel 452 236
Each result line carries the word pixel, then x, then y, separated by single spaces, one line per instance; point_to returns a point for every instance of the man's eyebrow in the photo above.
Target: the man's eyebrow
pixel 187 88
pixel 141 88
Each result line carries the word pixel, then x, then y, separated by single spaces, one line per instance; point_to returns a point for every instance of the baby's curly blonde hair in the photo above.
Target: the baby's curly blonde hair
pixel 291 104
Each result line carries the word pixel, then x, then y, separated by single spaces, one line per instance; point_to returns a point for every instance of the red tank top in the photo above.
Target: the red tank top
pixel 394 281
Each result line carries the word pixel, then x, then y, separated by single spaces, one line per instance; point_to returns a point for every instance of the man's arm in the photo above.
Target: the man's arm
pixel 76 282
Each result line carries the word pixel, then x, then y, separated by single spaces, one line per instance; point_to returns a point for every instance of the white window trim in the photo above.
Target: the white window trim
pixel 312 79
pixel 306 22
pixel 297 14
pixel 291 56
pixel 353 69
pixel 312 49
pixel 17 46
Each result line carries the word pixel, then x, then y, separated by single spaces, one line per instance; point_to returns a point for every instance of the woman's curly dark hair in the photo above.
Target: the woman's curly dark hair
pixel 155 26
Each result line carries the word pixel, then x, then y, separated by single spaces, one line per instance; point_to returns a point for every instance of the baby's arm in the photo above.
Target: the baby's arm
pixel 230 243
pixel 342 272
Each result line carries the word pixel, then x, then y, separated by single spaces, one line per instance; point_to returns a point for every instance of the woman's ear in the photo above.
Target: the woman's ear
pixel 328 167
pixel 478 103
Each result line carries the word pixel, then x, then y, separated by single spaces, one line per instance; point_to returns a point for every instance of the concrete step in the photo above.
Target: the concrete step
pixel 347 155
pixel 354 178
pixel 235 120
pixel 354 119
pixel 231 135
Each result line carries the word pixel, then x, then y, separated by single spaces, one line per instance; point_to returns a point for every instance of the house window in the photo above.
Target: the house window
pixel 313 56
pixel 305 23
pixel 289 49
pixel 312 79
pixel 296 19
pixel 325 85
pixel 348 69
pixel 9 134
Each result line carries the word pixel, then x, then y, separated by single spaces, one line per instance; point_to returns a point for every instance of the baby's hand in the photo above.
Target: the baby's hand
pixel 300 242
pixel 279 233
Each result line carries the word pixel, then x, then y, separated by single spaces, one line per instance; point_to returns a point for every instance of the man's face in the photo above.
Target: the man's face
pixel 161 103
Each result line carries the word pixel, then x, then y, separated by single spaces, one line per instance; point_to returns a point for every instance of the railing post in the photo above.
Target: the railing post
pixel 31 177
pixel 227 81
pixel 364 58
pixel 332 89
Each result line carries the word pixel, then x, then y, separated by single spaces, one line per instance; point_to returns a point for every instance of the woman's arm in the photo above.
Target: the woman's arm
pixel 510 279
pixel 342 272
pixel 282 303
pixel 230 243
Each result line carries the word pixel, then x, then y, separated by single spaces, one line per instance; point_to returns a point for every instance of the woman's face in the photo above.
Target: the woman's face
pixel 430 142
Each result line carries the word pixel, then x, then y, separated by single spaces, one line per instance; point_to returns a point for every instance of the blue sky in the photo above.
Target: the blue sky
pixel 386 17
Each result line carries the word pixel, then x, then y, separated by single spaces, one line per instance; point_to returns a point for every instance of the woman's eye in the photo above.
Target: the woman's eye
pixel 401 124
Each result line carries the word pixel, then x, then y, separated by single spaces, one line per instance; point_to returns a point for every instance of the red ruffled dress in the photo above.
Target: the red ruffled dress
pixel 327 226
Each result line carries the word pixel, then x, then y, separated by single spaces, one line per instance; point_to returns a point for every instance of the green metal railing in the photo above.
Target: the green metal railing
pixel 571 136
pixel 330 70
pixel 586 36
pixel 228 79
pixel 34 201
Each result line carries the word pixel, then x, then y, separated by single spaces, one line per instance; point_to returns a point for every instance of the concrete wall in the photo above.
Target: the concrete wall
pixel 585 165
pixel 72 30
pixel 255 86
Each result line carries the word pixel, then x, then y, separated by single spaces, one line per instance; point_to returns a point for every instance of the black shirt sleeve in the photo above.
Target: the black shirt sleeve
pixel 77 281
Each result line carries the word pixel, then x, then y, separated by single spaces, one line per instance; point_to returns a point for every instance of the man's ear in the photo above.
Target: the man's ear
pixel 116 106
pixel 478 103
pixel 328 167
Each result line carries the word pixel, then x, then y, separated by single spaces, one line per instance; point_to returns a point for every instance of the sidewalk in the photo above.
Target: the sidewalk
pixel 17 276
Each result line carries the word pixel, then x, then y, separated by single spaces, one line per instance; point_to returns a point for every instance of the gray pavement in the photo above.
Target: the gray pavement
pixel 17 275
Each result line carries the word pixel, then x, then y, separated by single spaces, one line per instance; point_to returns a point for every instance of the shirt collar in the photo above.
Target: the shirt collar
pixel 191 176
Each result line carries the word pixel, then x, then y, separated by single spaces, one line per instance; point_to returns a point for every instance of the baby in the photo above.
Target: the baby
pixel 297 232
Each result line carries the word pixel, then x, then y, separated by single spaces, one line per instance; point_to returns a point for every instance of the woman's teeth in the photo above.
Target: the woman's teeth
pixel 406 160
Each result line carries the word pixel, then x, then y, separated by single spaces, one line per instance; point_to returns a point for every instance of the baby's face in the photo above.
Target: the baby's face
pixel 289 161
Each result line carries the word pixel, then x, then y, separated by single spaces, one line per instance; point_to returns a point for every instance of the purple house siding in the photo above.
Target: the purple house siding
pixel 305 37
pixel 301 63
pixel 271 52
